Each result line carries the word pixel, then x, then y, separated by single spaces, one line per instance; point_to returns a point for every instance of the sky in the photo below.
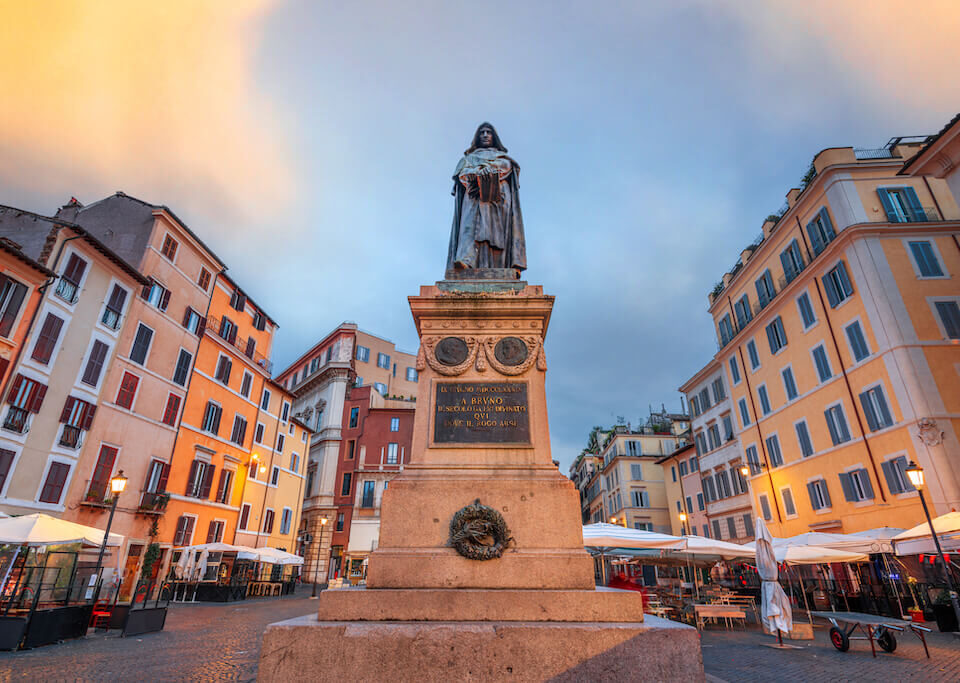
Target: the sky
pixel 311 145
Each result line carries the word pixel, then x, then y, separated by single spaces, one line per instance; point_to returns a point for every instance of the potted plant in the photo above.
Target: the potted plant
pixel 943 612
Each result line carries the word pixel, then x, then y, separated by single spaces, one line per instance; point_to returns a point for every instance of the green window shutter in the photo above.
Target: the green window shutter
pixel 812 492
pixel 847 487
pixel 893 484
pixel 867 486
pixel 887 205
pixel 869 412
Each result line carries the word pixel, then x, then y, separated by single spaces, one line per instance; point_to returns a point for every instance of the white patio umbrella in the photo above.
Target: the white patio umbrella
pixel 202 564
pixel 775 612
pixel 700 545
pixel 603 535
pixel 918 539
pixel 277 556
pixel 40 529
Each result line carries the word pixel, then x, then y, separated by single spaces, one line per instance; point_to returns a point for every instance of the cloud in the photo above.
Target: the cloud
pixel 154 98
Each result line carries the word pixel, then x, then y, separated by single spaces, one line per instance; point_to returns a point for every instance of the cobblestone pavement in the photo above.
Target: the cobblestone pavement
pixel 738 655
pixel 200 642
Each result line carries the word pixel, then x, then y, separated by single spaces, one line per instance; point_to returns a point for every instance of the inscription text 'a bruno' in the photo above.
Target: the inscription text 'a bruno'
pixel 481 412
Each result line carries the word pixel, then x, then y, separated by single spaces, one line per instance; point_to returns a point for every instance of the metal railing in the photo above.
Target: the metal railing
pixel 66 290
pixel 882 153
pixel 72 437
pixel 214 326
pixel 923 214
pixel 17 420
pixel 111 318
pixel 153 502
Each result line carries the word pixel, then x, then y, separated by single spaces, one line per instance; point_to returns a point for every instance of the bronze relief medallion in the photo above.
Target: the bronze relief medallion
pixel 451 351
pixel 511 351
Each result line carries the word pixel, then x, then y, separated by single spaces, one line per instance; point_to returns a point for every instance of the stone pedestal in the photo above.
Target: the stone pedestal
pixel 431 612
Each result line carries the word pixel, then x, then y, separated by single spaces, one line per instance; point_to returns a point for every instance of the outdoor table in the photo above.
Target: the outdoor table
pixel 876 628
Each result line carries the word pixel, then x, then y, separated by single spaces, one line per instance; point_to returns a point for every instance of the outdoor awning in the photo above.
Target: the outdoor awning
pixel 918 539
pixel 275 556
pixel 40 529
pixel 811 554
pixel 700 545
pixel 874 541
pixel 242 551
pixel 603 535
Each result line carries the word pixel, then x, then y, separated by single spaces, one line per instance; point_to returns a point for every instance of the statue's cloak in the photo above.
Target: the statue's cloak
pixel 498 224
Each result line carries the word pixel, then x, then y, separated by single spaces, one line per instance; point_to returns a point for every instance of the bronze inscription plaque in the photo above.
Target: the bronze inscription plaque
pixel 481 412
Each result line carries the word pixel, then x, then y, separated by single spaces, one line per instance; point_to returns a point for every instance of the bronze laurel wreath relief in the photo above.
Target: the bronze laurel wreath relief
pixel 478 532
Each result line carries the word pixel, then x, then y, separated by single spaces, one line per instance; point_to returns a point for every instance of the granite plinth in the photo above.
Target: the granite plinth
pixel 488 286
pixel 362 604
pixel 482 274
pixel 307 649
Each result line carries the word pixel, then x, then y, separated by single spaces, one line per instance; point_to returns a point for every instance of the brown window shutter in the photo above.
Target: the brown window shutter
pixel 193 473
pixel 251 345
pixel 15 388
pixel 67 409
pixel 88 412
pixel 4 363
pixel 202 327
pixel 75 268
pixel 221 485
pixel 38 393
pixel 212 532
pixel 181 528
pixel 165 300
pixel 145 290
pixel 207 482
pixel 186 316
pixel 117 298
pixel 164 475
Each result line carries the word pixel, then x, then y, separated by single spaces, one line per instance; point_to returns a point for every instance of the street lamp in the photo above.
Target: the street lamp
pixel 745 471
pixel 117 485
pixel 683 522
pixel 915 475
pixel 316 567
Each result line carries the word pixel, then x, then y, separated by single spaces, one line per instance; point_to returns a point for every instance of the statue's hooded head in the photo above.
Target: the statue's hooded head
pixel 495 143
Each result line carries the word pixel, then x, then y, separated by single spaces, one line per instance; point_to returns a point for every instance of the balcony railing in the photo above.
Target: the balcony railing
pixel 924 214
pixel 882 153
pixel 72 437
pixel 67 291
pixel 242 345
pixel 153 503
pixel 17 420
pixel 111 318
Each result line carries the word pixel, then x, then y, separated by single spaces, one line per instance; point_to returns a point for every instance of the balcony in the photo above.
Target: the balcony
pixel 922 214
pixel 97 495
pixel 72 437
pixel 242 345
pixel 17 420
pixel 110 318
pixel 67 291
pixel 153 503
pixel 882 153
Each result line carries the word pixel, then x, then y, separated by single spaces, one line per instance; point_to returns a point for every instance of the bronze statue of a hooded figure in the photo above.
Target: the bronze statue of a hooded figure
pixel 487 227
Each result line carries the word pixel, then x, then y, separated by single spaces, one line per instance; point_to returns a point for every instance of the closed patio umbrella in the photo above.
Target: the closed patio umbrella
pixel 40 529
pixel 775 612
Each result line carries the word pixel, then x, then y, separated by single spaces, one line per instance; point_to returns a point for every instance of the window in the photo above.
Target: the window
pixel 392 451
pixel 708 488
pixel 803 438
pixel 211 418
pixel 752 460
pixel 294 462
pixel 732 527
pixel 727 427
pixel 238 300
pixel 215 531
pixel 773 451
pixel 204 279
pixel 128 388
pixel 47 339
pixel 259 321
pixel 239 430
pixel 744 413
pixel 339 526
pixel 764 399
pixel 718 392
pixel 101 473
pixel 285 518
pixel 683 468
pixel 182 371
pixel 245 385
pixel 354 417
pixel 640 499
pixel 228 330
pixel 53 485
pixel 98 354
pixel 789 384
pixel 265 400
pixel 926 259
pixel 694 464
pixel 25 397
pixel 171 411
pixel 673 473
pixel 363 353
pixel 776 335
pixel 285 413
pixel 713 435
pixel 949 312
pixel 858 343
pixel 280 440
pixel 787 495
pixel 184 533
pixel 837 424
pixel 701 441
pixel 412 375
pixel 819 495
pixel 636 472
pixel 700 505
pixel 695 406
pixel 358 382
pixel 716 528
pixel 856 485
pixel 754 356
pixel 69 285
pixel 156 295
pixel 706 531
pixel 258 433
pixel 734 370
pixel 381 388
pixel 311 473
pixel 114 308
pixel 394 424
pixel 806 311
pixel 369 487
pixel 345 486
pixel 274 475
pixel 875 408
pixel 169 248
pixel 192 321
pixel 764 506
pixel 726 330
pixel 765 290
pixel 742 310
pixel 902 205
pixel 224 487
pixel 141 344
pixel 895 471
pixel 244 516
pixel 200 479
pixel 837 285
pixel 12 294
pixel 822 363
pixel 6 460
pixel 268 521
pixel 792 260
pixel 383 361
pixel 351 445
pixel 704 399
pixel 224 367
pixel 820 230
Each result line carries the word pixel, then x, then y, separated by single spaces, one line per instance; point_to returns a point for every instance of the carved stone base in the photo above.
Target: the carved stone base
pixel 483 274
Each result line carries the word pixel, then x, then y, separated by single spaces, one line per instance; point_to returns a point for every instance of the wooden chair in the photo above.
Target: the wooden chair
pixel 725 612
pixel 100 617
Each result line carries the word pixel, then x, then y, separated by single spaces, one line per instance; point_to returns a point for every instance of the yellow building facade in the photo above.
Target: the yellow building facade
pixel 838 332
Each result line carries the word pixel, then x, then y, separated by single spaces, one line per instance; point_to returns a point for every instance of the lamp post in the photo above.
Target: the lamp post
pixel 915 474
pixel 683 523
pixel 117 485
pixel 316 567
